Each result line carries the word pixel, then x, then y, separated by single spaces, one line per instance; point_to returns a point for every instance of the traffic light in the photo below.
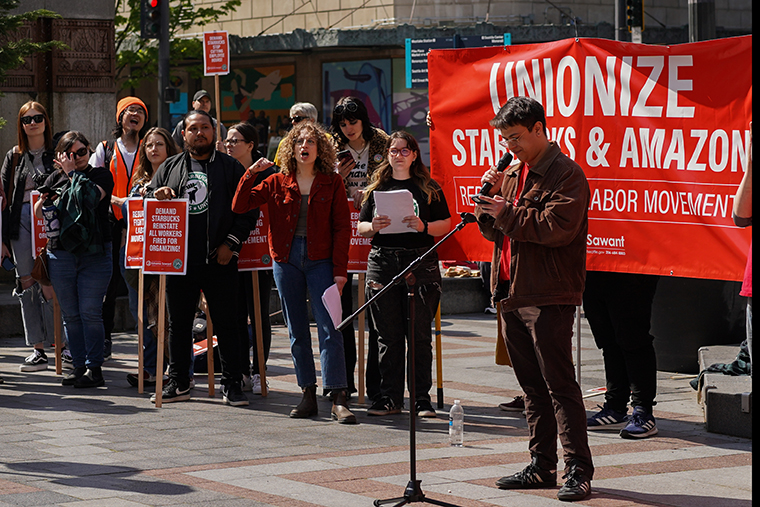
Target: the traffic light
pixel 150 18
pixel 634 10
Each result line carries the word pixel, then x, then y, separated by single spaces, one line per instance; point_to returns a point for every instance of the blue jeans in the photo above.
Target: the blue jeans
pixel 294 278
pixel 150 345
pixel 80 282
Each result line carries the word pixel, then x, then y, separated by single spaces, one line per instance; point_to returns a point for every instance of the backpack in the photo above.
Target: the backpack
pixel 80 232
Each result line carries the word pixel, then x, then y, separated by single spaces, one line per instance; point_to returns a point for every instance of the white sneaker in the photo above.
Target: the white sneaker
pixel 247 386
pixel 256 381
pixel 36 361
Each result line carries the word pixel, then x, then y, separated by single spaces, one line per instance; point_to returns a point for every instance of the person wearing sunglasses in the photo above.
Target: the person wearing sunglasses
pixel 354 133
pixel 300 111
pixel 79 256
pixel 392 253
pixel 537 216
pixel 241 142
pixel 24 168
pixel 309 233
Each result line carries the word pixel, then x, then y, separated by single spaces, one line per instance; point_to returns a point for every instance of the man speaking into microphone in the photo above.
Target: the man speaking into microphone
pixel 536 213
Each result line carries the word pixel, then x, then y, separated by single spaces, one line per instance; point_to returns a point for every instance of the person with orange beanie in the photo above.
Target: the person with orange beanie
pixel 131 125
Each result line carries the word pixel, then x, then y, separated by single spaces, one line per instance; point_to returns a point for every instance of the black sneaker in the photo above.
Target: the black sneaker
pixel 173 392
pixel 148 379
pixel 532 477
pixel 67 362
pixel 93 378
pixel 70 378
pixel 36 361
pixel 232 394
pixel 383 406
pixel 516 405
pixel 577 486
pixel 425 409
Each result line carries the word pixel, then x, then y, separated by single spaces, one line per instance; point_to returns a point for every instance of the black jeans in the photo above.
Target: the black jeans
pixel 220 287
pixel 116 286
pixel 618 308
pixel 539 340
pixel 245 293
pixel 389 318
pixel 372 372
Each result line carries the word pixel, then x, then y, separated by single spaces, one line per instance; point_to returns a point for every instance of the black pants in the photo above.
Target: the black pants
pixel 116 287
pixel 389 318
pixel 220 287
pixel 539 340
pixel 618 308
pixel 372 371
pixel 245 293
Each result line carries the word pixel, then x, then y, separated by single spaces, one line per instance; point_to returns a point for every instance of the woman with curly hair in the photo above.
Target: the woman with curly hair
pixel 309 233
pixel 391 254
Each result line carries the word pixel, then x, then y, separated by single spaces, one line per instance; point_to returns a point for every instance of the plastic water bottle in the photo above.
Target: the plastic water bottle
pixel 456 424
pixel 50 215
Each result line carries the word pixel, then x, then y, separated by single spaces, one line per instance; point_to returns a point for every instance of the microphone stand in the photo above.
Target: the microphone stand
pixel 413 491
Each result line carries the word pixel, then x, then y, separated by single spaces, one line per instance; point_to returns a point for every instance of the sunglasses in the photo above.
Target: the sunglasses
pixel 351 107
pixel 298 119
pixel 79 153
pixel 37 118
pixel 405 152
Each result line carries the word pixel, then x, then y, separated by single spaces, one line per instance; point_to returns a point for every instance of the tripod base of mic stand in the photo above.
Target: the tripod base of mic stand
pixel 412 494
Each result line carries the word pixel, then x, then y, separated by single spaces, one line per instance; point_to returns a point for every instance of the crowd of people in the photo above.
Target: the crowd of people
pixel 536 215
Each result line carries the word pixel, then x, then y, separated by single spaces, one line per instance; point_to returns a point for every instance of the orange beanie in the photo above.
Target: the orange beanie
pixel 128 101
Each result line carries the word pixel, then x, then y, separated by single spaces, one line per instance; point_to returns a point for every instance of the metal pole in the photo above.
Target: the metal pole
pixel 701 20
pixel 163 67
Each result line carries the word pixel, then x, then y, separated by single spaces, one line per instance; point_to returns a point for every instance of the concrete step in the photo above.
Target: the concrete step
pixel 460 295
pixel 726 399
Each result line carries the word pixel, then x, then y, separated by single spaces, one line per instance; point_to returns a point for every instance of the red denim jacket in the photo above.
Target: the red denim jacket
pixel 328 223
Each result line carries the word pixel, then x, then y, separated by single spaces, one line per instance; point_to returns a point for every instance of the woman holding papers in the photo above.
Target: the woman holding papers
pixel 403 182
pixel 309 231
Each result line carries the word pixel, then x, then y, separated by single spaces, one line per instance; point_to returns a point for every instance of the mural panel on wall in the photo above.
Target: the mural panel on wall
pixel 368 80
pixel 410 106
pixel 260 95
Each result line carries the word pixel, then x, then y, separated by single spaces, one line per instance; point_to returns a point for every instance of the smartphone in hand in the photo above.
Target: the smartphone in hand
pixel 8 264
pixel 344 155
pixel 477 199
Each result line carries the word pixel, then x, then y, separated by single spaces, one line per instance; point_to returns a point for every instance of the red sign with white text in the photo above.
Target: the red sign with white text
pixel 216 53
pixel 133 257
pixel 39 236
pixel 358 249
pixel 661 132
pixel 254 254
pixel 165 246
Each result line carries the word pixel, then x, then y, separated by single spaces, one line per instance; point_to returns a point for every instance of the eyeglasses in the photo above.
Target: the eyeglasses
pixel 351 107
pixel 81 152
pixel 405 152
pixel 233 142
pixel 298 119
pixel 135 110
pixel 514 141
pixel 37 118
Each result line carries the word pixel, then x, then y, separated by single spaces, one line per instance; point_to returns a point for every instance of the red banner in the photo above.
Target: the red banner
pixel 133 257
pixel 39 236
pixel 662 133
pixel 358 249
pixel 165 247
pixel 254 254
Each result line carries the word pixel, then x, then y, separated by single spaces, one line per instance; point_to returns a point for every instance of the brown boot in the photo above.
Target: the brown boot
pixel 308 405
pixel 340 411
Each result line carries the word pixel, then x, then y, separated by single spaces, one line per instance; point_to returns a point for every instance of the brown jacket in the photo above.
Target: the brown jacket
pixel 547 232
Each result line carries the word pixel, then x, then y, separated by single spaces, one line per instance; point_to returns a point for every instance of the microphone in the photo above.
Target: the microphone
pixel 503 164
pixel 468 218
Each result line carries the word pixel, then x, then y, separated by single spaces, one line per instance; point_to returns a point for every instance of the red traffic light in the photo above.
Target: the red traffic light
pixel 153 3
